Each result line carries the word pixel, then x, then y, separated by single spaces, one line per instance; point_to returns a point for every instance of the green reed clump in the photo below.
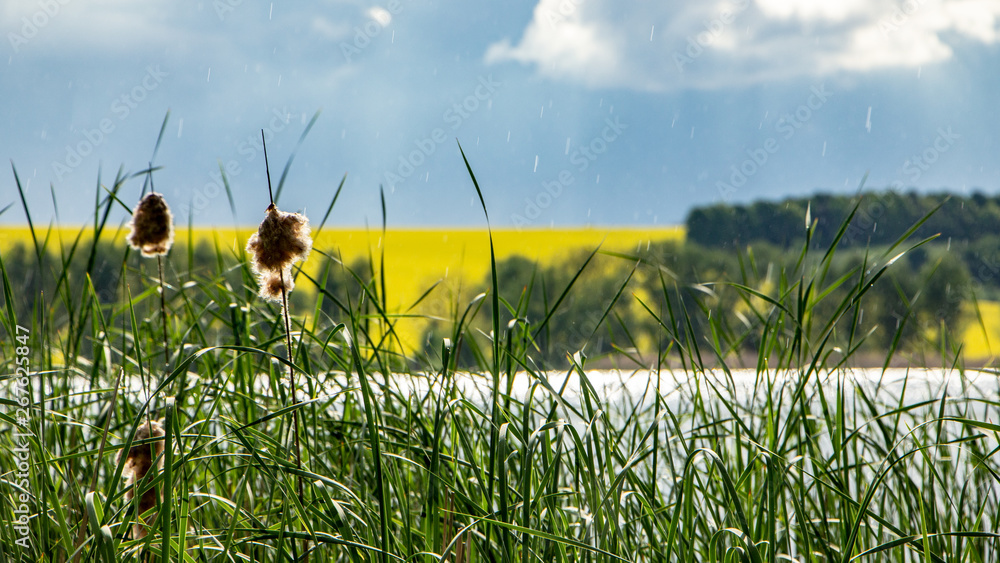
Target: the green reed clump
pixel 411 459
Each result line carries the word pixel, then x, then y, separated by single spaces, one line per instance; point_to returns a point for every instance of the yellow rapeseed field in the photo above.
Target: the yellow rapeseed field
pixel 416 259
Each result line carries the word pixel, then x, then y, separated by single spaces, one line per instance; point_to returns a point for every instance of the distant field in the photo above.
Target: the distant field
pixel 979 344
pixel 415 259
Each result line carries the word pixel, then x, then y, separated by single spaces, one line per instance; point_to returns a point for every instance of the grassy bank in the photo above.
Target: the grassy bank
pixel 403 460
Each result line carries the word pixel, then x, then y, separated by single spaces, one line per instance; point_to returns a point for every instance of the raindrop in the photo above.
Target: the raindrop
pixel 279 81
pixel 919 70
pixel 271 11
pixel 393 39
pixel 427 177
pixel 343 133
pixel 209 79
pixel 598 181
pixel 674 121
pixel 508 135
pixel 824 149
pixel 692 132
pixel 180 127
pixel 541 113
pixel 651 30
pixel 567 145
pixel 536 164
pixel 868 120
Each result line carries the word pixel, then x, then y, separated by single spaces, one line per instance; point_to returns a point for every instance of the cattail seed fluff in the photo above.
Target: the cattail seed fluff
pixel 281 240
pixel 152 226
pixel 271 285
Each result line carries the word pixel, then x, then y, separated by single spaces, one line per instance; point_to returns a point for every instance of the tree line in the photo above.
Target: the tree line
pixel 879 218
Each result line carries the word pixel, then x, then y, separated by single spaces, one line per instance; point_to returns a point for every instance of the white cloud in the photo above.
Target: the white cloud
pixel 105 25
pixel 381 15
pixel 565 46
pixel 656 46
pixel 811 10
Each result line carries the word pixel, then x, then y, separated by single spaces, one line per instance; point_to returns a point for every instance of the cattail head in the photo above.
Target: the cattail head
pixel 281 240
pixel 140 456
pixel 138 463
pixel 152 226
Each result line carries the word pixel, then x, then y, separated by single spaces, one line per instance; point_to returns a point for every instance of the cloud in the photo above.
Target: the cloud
pixel 566 46
pixel 734 43
pixel 93 26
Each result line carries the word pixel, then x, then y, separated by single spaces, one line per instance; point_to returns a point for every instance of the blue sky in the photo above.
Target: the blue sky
pixel 572 112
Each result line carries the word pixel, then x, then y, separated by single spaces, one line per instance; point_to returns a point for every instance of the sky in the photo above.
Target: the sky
pixel 570 112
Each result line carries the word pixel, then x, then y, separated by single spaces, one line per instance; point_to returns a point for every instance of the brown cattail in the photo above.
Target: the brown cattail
pixel 271 285
pixel 138 464
pixel 281 240
pixel 152 226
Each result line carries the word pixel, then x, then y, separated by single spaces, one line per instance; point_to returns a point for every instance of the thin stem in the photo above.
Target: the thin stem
pixel 291 378
pixel 267 168
pixel 291 371
pixel 163 314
